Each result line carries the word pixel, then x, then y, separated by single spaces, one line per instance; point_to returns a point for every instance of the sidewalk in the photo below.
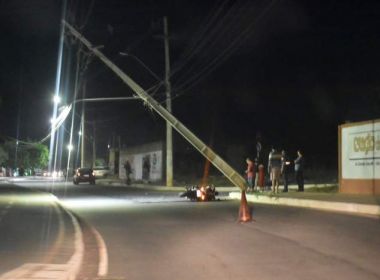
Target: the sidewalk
pixel 354 204
pixel 330 201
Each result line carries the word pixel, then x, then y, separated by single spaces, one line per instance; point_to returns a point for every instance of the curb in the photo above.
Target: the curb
pixel 353 208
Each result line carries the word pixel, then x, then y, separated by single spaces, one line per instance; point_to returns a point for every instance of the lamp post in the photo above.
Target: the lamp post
pixel 57 83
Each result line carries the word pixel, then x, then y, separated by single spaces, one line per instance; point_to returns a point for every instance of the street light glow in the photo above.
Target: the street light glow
pixel 56 99
pixel 70 147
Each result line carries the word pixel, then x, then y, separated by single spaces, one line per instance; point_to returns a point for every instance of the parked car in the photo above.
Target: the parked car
pixel 101 172
pixel 83 175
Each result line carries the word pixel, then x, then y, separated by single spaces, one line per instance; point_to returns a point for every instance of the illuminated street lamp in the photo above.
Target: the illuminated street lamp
pixel 70 147
pixel 56 99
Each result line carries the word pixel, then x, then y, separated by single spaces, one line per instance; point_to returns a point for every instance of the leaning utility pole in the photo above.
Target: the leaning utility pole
pixel 169 134
pixel 206 151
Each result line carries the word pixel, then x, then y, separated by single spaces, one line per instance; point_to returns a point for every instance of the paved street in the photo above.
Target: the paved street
pixel 157 235
pixel 33 229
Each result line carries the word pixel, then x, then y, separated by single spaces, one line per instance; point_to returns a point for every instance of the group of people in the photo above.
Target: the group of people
pixel 278 166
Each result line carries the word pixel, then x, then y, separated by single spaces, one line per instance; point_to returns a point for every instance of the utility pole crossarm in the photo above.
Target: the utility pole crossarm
pixel 217 161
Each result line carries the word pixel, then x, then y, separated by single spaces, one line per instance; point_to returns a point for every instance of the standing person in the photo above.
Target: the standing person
pixel 285 170
pixel 146 169
pixel 256 175
pixel 128 171
pixel 250 173
pixel 274 169
pixel 261 177
pixel 298 168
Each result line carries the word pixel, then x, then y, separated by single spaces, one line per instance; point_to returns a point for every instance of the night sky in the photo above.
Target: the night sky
pixel 290 71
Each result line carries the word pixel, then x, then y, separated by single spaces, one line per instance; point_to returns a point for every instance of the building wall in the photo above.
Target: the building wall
pixel 146 162
pixel 359 157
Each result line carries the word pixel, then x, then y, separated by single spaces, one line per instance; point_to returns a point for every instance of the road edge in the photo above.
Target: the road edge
pixel 346 207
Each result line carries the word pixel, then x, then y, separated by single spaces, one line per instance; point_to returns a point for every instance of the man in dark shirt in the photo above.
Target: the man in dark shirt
pixel 298 168
pixel 285 164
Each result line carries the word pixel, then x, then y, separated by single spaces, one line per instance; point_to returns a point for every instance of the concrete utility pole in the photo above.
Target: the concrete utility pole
pixel 83 149
pixel 206 151
pixel 76 84
pixel 169 131
pixel 94 145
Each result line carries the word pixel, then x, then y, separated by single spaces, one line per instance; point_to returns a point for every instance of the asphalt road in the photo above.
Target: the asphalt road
pixel 157 235
pixel 33 228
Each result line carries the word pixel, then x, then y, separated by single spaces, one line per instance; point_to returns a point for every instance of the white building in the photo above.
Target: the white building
pixel 359 157
pixel 146 162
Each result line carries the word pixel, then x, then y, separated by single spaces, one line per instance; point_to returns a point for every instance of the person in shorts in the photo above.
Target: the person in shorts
pixel 274 169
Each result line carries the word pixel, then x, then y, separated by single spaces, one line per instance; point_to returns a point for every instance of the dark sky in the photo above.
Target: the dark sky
pixel 289 70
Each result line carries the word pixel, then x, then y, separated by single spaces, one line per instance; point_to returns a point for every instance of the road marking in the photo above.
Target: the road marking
pixel 61 234
pixel 75 261
pixel 70 270
pixel 103 254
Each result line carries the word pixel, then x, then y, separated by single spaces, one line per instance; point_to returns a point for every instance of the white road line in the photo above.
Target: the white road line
pixel 103 254
pixel 68 271
pixel 76 260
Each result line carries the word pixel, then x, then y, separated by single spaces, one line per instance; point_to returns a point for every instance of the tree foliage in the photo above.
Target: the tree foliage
pixel 31 155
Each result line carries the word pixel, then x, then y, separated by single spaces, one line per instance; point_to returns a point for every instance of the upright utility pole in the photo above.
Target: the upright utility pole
pixel 76 85
pixel 169 136
pixel 94 144
pixel 82 151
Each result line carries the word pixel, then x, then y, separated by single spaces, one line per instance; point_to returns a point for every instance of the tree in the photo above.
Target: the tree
pixel 29 155
pixel 38 156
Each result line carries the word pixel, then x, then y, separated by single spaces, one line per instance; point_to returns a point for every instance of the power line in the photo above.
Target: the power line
pixel 221 57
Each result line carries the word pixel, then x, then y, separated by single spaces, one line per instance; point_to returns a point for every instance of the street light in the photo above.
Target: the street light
pixel 56 99
pixel 70 147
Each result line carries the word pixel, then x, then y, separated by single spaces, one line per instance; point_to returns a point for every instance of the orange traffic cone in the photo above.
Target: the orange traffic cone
pixel 244 211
